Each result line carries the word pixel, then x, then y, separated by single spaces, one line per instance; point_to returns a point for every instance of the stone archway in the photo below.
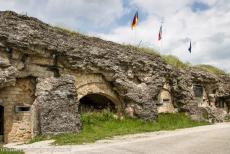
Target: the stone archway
pixel 94 86
pixel 1 123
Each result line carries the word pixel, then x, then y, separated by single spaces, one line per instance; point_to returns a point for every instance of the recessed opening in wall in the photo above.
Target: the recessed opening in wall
pixel 221 104
pixel 198 90
pixel 1 123
pixel 228 107
pixel 22 109
pixel 96 103
pixel 166 100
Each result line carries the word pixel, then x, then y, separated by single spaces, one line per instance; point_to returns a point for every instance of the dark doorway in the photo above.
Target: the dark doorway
pixel 228 107
pixel 96 103
pixel 198 90
pixel 1 123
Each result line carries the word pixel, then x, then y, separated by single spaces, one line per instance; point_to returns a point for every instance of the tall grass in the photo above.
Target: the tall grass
pixel 175 62
pixel 178 64
pixel 103 125
pixel 210 69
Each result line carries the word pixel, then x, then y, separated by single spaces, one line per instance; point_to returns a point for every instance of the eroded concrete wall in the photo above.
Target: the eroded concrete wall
pixel 17 125
pixel 57 106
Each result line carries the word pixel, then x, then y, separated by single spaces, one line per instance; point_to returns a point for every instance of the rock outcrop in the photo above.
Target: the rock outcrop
pixel 57 106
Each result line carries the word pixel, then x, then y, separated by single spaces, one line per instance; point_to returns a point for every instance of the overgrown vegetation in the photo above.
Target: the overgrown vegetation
pixel 178 64
pixel 68 31
pixel 210 69
pixel 169 59
pixel 149 51
pixel 175 62
pixel 104 125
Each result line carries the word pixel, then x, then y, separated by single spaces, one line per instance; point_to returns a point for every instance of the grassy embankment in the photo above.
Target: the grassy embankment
pixel 103 125
pixel 177 63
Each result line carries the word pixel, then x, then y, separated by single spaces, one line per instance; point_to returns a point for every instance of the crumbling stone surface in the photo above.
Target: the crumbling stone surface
pixel 7 76
pixel 215 115
pixel 137 77
pixel 224 87
pixel 57 105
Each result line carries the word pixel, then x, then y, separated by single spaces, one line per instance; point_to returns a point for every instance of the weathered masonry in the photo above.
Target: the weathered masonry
pixel 48 76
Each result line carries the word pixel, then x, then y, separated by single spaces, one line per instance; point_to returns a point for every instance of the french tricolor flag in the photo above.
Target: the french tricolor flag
pixel 160 34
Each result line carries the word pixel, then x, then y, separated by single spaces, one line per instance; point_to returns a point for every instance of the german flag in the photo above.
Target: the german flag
pixel 135 21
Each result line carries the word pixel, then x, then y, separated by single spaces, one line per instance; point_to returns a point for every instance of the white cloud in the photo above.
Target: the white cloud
pixel 208 30
pixel 75 14
pixel 161 7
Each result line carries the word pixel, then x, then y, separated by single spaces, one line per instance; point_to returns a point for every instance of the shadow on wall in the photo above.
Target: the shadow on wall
pixel 96 103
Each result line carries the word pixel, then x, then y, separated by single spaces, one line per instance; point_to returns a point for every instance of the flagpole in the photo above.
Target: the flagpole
pixel 161 44
pixel 135 33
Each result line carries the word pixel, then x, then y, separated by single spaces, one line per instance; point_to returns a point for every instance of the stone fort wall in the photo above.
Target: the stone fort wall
pixel 46 71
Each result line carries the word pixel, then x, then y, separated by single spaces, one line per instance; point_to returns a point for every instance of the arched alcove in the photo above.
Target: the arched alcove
pixel 1 123
pixel 95 90
pixel 165 101
pixel 96 102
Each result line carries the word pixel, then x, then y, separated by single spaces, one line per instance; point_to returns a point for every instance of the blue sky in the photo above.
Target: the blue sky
pixel 205 22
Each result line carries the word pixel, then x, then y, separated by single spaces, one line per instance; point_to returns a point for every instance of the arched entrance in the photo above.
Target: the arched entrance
pixel 95 103
pixel 98 95
pixel 1 123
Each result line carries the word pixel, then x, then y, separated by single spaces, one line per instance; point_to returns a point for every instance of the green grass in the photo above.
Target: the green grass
pixel 68 31
pixel 169 59
pixel 227 118
pixel 175 62
pixel 148 51
pixel 210 69
pixel 9 151
pixel 98 126
pixel 145 50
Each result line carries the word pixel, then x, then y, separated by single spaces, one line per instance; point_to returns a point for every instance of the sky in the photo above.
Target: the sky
pixel 206 23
